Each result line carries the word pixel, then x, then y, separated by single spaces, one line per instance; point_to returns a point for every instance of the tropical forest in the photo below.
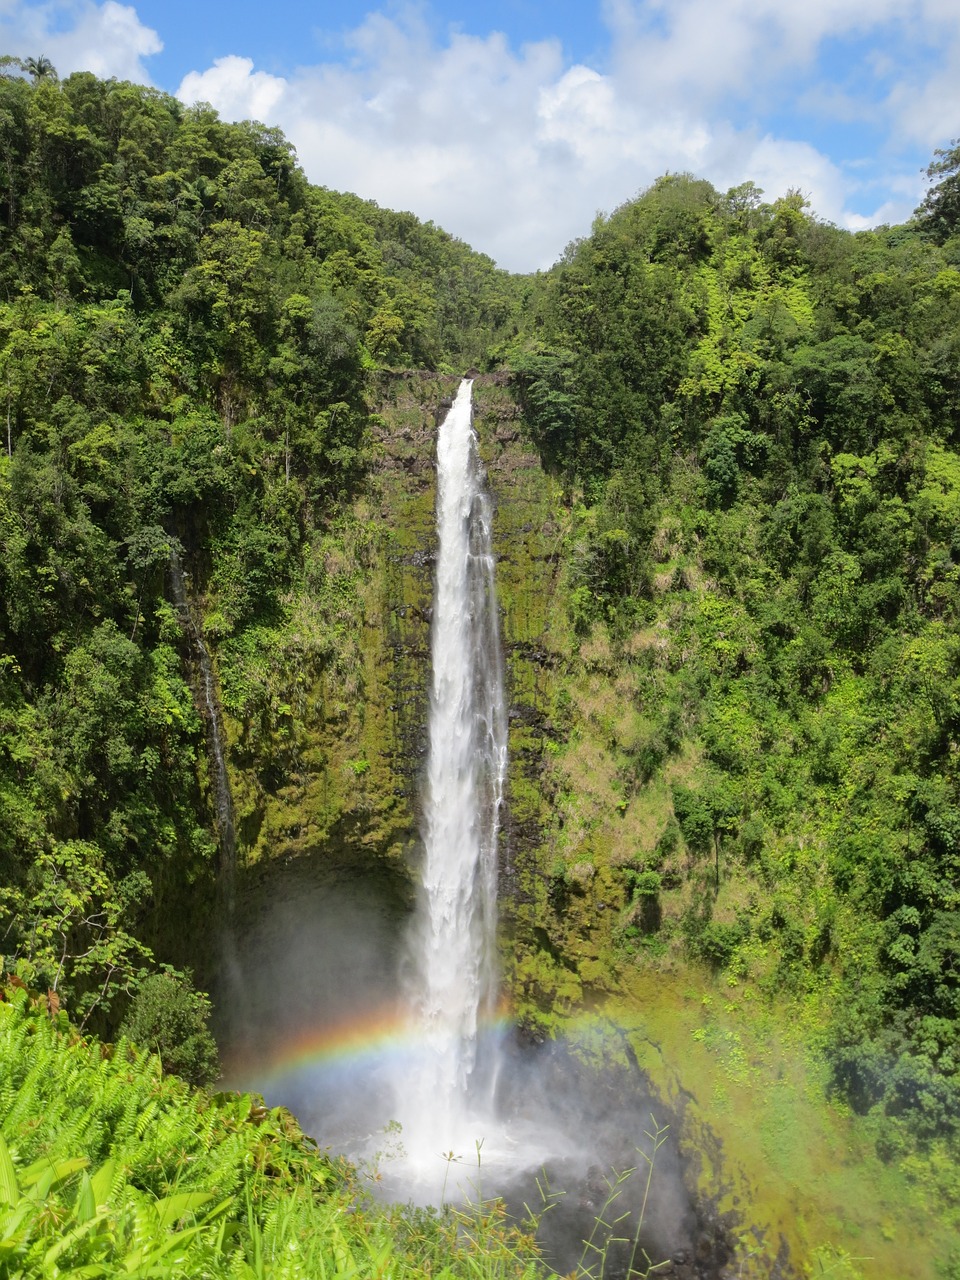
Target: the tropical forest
pixel 718 479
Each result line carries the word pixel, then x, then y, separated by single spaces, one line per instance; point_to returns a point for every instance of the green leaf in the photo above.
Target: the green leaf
pixel 10 1223
pixel 9 1190
pixel 86 1204
pixel 144 1257
pixel 71 1238
pixel 102 1182
pixel 172 1208
pixel 48 1173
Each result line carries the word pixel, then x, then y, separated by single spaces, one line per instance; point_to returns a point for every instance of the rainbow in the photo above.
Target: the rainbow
pixel 385 1032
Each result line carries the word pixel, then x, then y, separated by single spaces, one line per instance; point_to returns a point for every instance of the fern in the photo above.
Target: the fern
pixel 110 1168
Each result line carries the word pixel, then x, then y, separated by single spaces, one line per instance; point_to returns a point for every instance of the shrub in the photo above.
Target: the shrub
pixel 169 1017
pixel 717 943
pixel 694 816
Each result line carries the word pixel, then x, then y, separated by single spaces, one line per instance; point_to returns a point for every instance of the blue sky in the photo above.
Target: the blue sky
pixel 297 32
pixel 513 123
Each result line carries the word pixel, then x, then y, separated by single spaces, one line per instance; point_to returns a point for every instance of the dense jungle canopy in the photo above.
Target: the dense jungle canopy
pixel 752 420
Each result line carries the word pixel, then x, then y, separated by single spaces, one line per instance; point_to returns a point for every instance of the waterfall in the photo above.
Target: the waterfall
pixel 353 1044
pixel 452 980
pixel 223 796
pixel 221 782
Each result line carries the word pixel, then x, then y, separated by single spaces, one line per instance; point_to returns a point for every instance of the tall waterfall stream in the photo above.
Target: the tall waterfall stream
pixel 386 1044
pixel 451 978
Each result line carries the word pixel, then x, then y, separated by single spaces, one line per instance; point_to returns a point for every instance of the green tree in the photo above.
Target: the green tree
pixel 168 1017
pixel 68 929
pixel 40 68
pixel 939 214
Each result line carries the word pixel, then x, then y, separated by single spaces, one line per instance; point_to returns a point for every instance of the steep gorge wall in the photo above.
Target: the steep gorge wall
pixel 325 770
pixel 325 773
pixel 328 769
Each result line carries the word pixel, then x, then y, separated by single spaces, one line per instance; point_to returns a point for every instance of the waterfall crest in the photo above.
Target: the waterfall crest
pixel 452 972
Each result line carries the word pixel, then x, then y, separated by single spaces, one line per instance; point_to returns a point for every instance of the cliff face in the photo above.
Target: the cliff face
pixel 328 770
pixel 334 760
pixel 325 770
pixel 326 774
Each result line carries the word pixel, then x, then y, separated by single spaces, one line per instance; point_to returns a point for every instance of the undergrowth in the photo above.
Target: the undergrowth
pixel 110 1168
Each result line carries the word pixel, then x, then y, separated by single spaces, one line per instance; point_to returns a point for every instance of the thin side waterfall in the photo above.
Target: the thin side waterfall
pixel 221 781
pixel 223 796
pixel 452 970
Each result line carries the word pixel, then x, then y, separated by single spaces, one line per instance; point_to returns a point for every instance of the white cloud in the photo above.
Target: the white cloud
pixel 515 150
pixel 890 212
pixel 721 52
pixel 922 105
pixel 511 151
pixel 79 35
pixel 450 133
pixel 238 91
pixel 776 166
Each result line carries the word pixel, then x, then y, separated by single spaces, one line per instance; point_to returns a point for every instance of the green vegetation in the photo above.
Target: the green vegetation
pixel 730 594
pixel 755 420
pixel 109 1168
pixel 188 331
pixel 168 1017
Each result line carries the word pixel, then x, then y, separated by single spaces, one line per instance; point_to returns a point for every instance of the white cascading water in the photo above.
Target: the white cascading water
pixel 452 978
pixel 438 1077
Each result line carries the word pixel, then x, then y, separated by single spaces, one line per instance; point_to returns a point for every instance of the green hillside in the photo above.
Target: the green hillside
pixel 723 440
pixel 756 420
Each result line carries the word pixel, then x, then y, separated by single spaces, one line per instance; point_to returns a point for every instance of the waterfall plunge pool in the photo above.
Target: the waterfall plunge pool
pixel 320 1030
